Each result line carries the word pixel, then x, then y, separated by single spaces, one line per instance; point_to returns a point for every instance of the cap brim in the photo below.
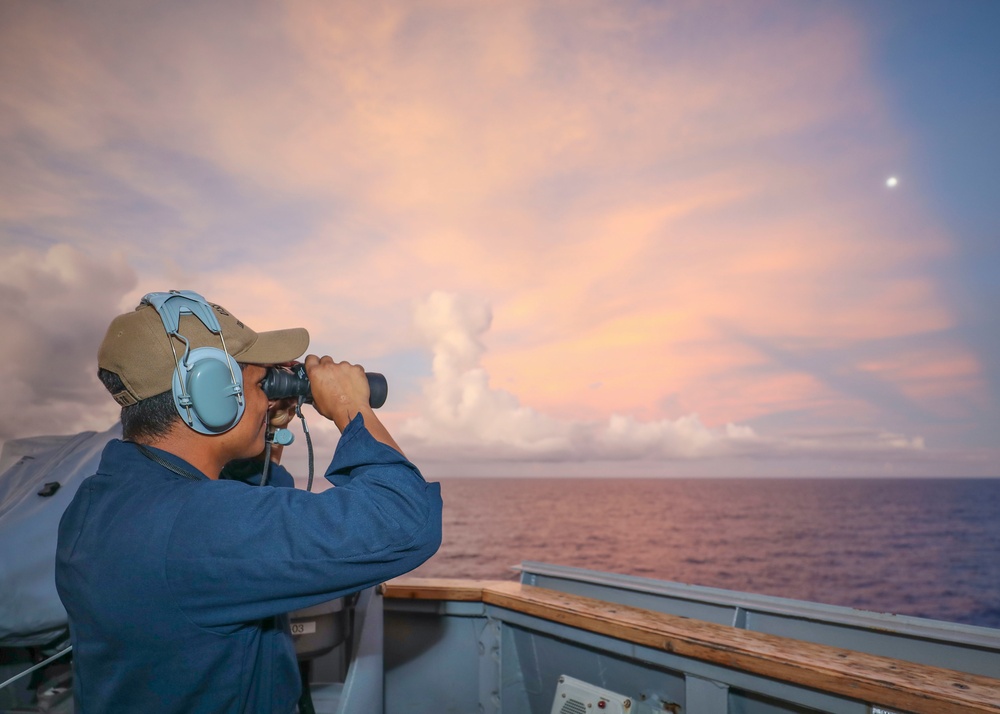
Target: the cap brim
pixel 276 346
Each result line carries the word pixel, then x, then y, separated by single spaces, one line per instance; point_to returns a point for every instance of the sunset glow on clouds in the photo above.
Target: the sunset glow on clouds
pixel 650 236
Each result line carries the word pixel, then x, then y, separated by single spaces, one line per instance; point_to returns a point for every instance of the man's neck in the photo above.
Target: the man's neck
pixel 199 450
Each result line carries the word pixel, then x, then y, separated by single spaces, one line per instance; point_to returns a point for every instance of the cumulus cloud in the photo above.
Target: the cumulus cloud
pixel 57 306
pixel 463 415
pixel 459 406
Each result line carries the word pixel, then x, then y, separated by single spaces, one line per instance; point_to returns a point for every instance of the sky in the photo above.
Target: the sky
pixel 582 238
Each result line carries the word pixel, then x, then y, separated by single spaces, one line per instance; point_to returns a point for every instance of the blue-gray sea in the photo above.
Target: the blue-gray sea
pixel 927 547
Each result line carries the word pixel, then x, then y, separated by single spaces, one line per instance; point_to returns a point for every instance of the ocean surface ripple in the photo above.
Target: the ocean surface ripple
pixel 925 547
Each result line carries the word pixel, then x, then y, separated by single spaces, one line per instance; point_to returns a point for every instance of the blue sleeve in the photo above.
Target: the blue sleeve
pixel 238 554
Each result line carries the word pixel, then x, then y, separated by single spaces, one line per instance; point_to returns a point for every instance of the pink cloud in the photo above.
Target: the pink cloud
pixel 629 201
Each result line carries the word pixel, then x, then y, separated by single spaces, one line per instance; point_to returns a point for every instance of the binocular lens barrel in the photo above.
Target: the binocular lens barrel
pixel 280 384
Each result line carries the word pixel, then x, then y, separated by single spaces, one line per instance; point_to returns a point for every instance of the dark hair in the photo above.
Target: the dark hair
pixel 147 419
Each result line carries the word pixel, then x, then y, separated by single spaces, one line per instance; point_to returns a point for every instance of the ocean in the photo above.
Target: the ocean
pixel 927 547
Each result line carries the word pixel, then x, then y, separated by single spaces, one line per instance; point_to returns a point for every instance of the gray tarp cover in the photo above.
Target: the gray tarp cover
pixel 30 611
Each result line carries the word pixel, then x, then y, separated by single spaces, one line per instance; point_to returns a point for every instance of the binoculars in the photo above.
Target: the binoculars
pixel 282 383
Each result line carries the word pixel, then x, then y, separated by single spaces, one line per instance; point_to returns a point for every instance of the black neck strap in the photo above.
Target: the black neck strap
pixel 179 470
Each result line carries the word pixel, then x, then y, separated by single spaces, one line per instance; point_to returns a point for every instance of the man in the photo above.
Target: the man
pixel 177 582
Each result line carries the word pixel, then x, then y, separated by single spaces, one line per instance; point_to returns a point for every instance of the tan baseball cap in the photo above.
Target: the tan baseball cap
pixel 138 349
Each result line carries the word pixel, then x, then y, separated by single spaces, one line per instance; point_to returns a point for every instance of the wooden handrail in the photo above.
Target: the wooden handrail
pixel 868 678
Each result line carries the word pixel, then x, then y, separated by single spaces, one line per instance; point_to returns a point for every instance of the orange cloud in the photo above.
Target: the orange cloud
pixel 648 196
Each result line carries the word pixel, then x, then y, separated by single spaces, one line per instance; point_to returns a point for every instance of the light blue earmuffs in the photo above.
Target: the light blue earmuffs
pixel 208 383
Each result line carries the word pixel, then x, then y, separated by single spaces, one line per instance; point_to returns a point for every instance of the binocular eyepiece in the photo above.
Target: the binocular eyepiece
pixel 282 383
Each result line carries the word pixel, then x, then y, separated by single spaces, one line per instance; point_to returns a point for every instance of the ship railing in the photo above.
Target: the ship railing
pixel 952 645
pixel 517 638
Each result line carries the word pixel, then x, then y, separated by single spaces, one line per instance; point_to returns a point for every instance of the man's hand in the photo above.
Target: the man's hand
pixel 340 392
pixel 339 389
pixel 280 412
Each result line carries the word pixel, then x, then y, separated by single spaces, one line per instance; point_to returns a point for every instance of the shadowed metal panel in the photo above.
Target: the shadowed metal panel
pixel 362 691
pixel 432 661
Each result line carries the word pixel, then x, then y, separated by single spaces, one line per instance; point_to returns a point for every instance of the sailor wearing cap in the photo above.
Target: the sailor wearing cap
pixel 176 582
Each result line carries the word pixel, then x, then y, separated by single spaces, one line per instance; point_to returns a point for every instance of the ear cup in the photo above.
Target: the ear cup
pixel 204 392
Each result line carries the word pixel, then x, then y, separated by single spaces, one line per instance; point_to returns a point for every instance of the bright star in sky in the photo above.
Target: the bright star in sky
pixel 891 182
